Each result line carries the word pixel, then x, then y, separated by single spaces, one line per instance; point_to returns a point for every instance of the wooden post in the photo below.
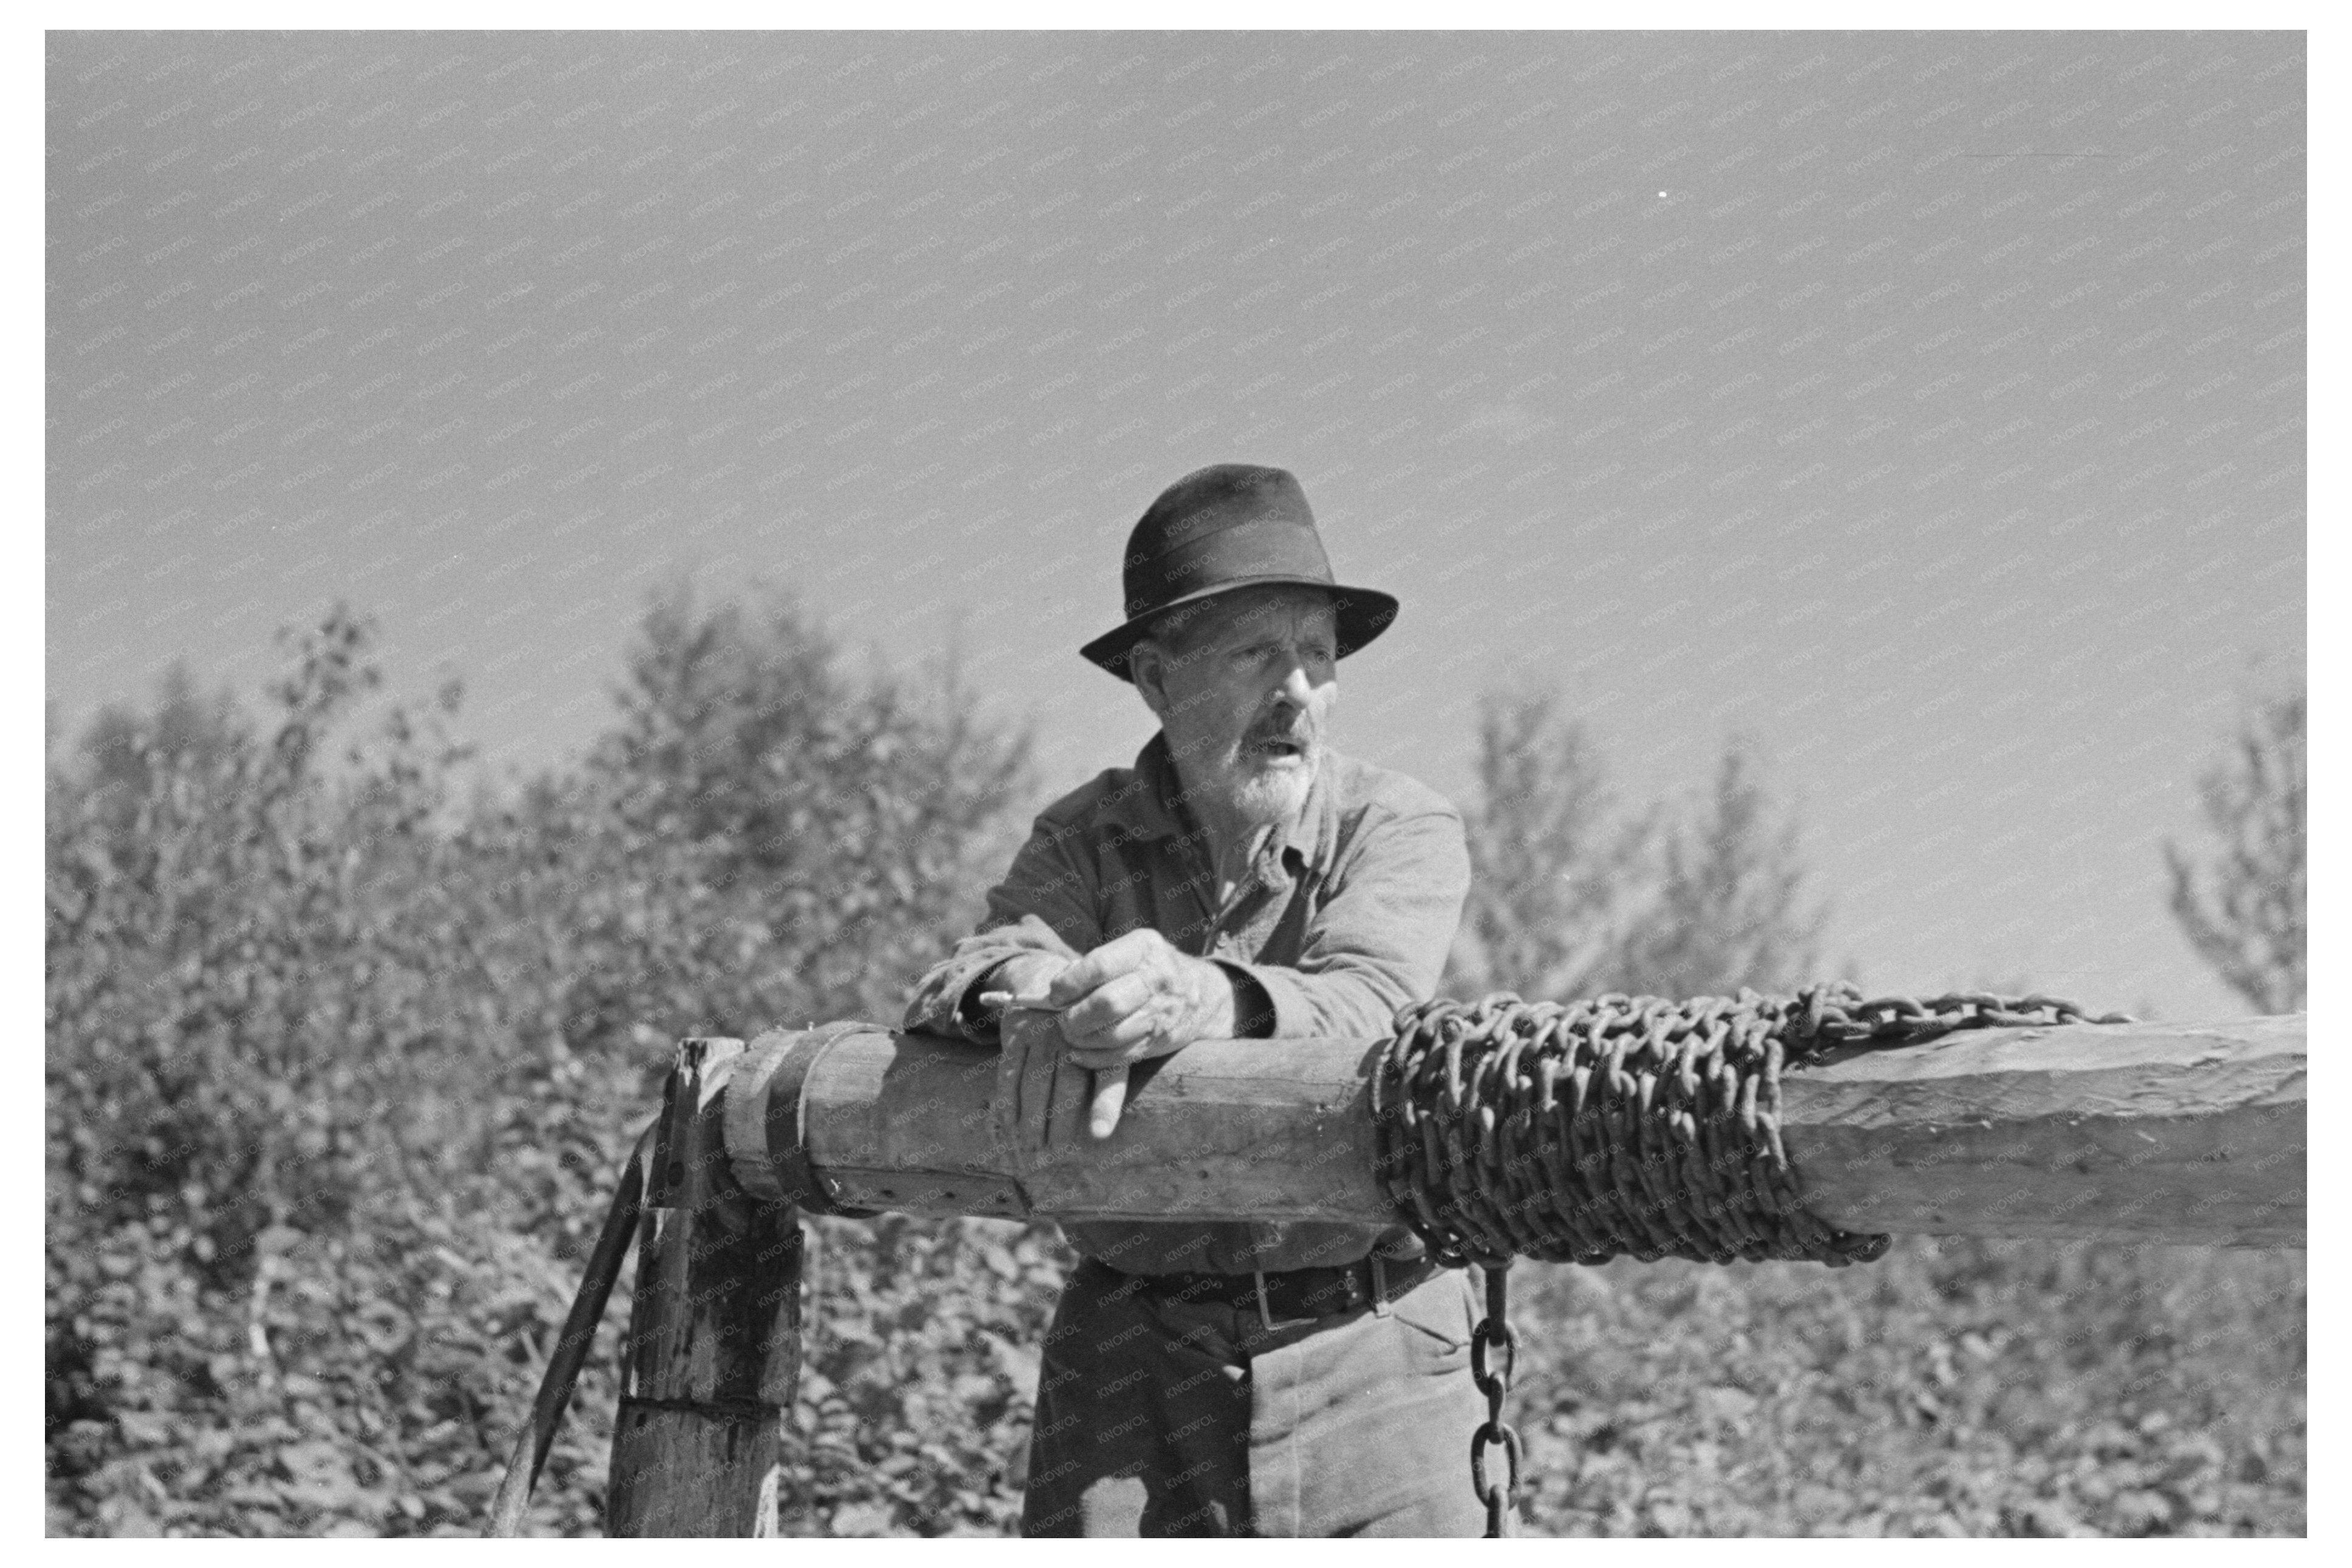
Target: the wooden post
pixel 714 1332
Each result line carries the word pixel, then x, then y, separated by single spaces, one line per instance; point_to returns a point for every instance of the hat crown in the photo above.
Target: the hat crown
pixel 1191 538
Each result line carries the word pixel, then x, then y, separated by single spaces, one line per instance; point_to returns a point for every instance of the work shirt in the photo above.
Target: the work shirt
pixel 1340 920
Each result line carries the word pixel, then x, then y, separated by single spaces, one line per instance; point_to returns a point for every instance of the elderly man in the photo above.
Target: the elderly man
pixel 1241 880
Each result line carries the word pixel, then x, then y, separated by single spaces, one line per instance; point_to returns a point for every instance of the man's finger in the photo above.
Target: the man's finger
pixel 1110 1098
pixel 1100 1010
pixel 1102 1059
pixel 1119 1042
pixel 1120 955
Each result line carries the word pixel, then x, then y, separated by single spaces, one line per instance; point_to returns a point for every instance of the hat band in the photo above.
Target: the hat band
pixel 1226 555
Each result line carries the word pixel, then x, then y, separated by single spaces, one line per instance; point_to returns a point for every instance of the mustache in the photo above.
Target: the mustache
pixel 1300 731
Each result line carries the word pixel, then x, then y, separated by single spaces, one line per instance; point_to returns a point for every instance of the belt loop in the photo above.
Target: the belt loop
pixel 1379 1286
pixel 1264 1312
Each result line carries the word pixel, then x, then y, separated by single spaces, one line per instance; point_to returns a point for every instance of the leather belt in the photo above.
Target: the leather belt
pixel 1294 1293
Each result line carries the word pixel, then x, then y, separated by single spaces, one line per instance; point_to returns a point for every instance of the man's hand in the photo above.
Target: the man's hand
pixel 1137 997
pixel 1130 1000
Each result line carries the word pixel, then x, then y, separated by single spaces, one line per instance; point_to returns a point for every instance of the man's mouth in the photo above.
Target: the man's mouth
pixel 1279 747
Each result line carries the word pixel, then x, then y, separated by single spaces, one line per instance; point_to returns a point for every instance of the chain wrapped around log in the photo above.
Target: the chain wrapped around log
pixel 1631 1125
pixel 1755 1127
pixel 1750 1128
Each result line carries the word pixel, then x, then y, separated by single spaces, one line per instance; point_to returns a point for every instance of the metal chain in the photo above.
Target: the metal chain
pixel 1631 1125
pixel 1501 1497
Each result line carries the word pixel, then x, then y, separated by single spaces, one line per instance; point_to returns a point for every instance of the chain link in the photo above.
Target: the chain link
pixel 1631 1125
pixel 1501 1497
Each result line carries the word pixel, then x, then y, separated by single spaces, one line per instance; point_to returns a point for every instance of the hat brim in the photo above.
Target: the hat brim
pixel 1359 615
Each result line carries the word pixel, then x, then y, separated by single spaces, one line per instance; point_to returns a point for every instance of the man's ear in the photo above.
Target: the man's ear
pixel 1148 665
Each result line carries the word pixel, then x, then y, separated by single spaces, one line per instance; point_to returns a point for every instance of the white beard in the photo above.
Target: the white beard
pixel 1258 794
pixel 1265 796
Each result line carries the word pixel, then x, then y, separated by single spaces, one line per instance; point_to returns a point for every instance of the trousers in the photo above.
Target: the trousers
pixel 1158 1417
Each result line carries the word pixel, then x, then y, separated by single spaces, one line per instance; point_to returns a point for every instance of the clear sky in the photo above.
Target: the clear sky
pixel 1928 407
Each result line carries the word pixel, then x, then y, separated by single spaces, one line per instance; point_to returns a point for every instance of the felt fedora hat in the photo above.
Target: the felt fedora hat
pixel 1231 525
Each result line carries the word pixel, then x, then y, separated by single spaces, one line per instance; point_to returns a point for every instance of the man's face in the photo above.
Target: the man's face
pixel 1245 690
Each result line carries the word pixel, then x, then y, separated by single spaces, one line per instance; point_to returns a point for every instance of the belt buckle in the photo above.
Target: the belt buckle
pixel 1379 1286
pixel 1265 1311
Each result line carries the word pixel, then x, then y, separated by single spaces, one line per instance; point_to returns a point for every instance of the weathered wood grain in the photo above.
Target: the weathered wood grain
pixel 2150 1133
pixel 2167 1132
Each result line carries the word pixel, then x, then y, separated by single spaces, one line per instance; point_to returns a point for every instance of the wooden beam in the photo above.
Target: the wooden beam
pixel 2168 1133
pixel 2147 1132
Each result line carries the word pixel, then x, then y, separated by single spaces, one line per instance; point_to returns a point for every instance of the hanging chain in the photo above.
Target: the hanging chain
pixel 1501 1497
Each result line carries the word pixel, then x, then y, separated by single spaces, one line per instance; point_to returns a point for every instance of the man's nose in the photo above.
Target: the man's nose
pixel 1297 689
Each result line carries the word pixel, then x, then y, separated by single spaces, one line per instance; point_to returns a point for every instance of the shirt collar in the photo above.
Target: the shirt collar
pixel 1150 806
